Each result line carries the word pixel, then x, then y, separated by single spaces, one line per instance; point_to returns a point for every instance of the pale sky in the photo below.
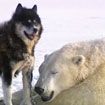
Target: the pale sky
pixel 8 4
pixel 7 7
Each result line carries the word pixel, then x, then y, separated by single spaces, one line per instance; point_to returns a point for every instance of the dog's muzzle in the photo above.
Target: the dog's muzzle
pixel 31 36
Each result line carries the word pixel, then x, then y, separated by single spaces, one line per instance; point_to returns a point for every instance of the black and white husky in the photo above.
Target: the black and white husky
pixel 18 38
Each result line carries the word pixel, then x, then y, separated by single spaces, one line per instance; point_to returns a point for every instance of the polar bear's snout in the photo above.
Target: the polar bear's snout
pixel 39 90
pixel 45 95
pixel 43 88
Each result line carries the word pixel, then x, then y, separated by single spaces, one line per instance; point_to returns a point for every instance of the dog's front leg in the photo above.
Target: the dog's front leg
pixel 6 85
pixel 27 78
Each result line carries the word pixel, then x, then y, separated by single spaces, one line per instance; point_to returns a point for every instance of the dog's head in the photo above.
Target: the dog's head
pixel 27 23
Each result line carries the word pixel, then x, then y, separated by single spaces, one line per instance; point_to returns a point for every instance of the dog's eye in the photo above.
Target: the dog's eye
pixel 29 21
pixel 34 21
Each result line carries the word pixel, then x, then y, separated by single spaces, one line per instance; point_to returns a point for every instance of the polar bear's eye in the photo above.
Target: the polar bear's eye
pixel 54 72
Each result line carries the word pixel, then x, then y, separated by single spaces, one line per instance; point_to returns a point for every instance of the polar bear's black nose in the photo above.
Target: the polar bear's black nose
pixel 39 90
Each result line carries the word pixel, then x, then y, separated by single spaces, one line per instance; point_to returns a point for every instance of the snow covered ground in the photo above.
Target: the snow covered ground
pixel 64 22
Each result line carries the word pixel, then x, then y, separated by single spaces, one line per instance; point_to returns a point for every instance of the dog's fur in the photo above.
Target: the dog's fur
pixel 18 38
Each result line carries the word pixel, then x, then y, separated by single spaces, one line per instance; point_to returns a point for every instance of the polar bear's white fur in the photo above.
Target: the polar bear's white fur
pixel 75 74
pixel 68 67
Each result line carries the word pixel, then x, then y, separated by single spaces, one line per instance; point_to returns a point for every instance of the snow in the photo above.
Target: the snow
pixel 64 21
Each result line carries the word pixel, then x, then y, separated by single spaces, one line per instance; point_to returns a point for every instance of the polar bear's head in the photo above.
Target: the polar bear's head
pixel 58 72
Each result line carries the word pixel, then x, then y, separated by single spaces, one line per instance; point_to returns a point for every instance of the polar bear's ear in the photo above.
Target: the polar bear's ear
pixel 46 56
pixel 78 60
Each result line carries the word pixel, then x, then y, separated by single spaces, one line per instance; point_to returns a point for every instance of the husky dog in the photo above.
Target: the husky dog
pixel 18 38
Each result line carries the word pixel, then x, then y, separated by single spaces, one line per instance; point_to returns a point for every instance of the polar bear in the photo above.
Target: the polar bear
pixel 68 67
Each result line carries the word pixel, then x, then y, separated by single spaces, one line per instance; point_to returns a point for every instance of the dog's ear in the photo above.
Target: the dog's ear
pixel 35 8
pixel 19 8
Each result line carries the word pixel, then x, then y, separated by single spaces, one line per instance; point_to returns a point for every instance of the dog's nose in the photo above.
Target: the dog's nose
pixel 35 30
pixel 39 90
